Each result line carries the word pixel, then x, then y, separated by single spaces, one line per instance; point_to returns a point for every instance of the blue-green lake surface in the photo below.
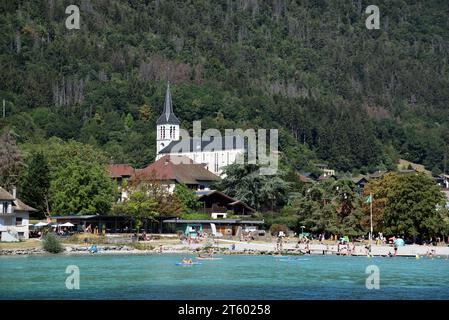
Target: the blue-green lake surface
pixel 234 277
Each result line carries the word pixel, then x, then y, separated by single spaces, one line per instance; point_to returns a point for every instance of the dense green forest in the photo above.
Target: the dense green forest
pixel 355 98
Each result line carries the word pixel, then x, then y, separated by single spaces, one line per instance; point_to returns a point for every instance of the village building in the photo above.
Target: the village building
pixel 229 215
pixel 214 154
pixel 14 217
pixel 325 170
pixel 121 173
pixel 171 170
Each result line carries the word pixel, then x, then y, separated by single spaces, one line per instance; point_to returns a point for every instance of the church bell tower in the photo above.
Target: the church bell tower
pixel 167 125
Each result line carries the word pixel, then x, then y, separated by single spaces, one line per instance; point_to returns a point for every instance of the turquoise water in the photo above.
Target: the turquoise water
pixel 234 277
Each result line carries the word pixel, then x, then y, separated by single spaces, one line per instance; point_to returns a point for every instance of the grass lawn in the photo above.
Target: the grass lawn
pixel 26 244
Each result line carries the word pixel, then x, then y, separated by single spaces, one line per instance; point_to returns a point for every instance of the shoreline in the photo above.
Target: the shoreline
pixel 241 248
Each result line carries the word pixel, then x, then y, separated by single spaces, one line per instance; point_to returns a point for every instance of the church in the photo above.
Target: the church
pixel 214 154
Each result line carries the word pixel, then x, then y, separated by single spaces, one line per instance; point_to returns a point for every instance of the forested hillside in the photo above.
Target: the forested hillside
pixel 355 98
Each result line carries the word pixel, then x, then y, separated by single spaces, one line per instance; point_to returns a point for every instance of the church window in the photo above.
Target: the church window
pixel 216 162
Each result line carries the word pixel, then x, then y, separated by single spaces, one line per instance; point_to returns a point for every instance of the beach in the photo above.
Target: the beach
pixel 225 246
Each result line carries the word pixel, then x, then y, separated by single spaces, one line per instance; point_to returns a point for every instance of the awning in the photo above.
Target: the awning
pixel 67 224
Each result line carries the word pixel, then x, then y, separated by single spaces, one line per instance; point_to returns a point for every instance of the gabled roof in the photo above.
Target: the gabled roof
pixel 377 174
pixel 177 168
pixel 168 117
pixel 20 206
pixel 5 195
pixel 325 177
pixel 405 165
pixel 197 145
pixel 231 201
pixel 120 170
pixel 358 179
pixel 304 178
pixel 310 175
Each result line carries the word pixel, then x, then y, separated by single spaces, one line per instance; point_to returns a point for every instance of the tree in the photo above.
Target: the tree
pixel 187 197
pixel 35 183
pixel 140 205
pixel 411 208
pixel 379 189
pixel 79 183
pixel 11 161
pixel 245 183
pixel 167 203
pixel 329 207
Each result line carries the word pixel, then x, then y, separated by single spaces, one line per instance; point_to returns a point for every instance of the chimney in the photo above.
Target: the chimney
pixel 14 192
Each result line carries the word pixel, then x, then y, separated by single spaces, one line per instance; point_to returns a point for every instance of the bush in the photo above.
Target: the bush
pixel 51 244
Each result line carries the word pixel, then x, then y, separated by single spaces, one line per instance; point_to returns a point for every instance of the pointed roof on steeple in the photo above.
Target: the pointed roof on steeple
pixel 168 117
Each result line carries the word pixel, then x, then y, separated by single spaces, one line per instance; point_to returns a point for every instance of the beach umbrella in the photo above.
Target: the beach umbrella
pixel 67 224
pixel 41 224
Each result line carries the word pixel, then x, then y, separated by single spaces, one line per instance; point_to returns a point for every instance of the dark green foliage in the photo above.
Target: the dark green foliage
pixel 11 161
pixel 330 207
pixel 187 197
pixel 50 243
pixel 79 182
pixel 35 183
pixel 262 192
pixel 353 97
pixel 411 207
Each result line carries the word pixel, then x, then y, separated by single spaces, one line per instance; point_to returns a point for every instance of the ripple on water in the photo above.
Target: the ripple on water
pixel 234 277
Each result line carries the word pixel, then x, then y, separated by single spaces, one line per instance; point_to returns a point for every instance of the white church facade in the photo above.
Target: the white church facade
pixel 215 155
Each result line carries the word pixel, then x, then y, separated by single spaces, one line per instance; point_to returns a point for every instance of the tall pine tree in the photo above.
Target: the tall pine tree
pixel 35 183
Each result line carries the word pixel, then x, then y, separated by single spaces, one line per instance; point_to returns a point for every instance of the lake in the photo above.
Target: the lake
pixel 234 277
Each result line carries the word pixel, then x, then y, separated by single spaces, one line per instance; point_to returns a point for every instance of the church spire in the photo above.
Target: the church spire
pixel 168 117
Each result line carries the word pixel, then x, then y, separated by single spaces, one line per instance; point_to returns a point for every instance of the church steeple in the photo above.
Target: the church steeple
pixel 167 125
pixel 168 117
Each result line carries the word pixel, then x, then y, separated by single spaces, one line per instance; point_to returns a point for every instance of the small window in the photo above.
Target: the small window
pixel 5 207
pixel 19 221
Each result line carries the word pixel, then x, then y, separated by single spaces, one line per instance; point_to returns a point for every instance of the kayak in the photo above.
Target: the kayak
pixel 187 264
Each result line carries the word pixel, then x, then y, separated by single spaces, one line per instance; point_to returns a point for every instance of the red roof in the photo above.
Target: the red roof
pixel 177 168
pixel 120 170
